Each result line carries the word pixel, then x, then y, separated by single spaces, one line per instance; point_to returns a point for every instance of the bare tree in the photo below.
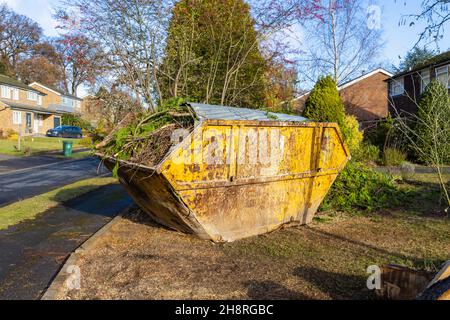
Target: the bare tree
pixel 131 33
pixel 340 42
pixel 18 34
pixel 81 60
pixel 436 14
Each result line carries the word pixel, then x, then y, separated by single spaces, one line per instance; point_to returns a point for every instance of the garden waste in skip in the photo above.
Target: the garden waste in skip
pixel 225 173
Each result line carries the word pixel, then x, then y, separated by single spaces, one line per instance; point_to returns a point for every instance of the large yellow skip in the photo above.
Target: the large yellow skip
pixel 239 173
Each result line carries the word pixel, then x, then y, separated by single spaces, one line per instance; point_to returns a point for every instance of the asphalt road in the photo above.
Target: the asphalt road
pixel 32 252
pixel 24 183
pixel 11 163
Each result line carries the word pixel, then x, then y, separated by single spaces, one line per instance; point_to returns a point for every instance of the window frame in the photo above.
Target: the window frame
pixel 15 94
pixel 5 92
pixel 14 117
pixel 422 87
pixel 447 67
pixel 32 96
pixel 398 83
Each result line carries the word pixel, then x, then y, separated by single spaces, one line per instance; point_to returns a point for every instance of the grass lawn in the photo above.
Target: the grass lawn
pixel 35 145
pixel 328 259
pixel 30 208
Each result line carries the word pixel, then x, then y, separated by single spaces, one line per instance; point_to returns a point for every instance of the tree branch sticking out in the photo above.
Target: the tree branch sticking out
pixel 436 14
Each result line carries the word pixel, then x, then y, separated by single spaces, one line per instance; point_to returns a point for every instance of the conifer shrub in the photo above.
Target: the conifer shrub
pixel 324 103
pixel 433 125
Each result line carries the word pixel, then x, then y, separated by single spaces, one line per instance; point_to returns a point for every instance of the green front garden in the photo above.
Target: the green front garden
pixel 34 146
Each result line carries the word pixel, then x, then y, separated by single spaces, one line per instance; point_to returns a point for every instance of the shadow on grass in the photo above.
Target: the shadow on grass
pixel 104 200
pixel 418 263
pixel 338 286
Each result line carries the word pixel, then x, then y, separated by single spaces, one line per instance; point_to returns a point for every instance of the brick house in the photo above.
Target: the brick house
pixel 58 100
pixel 22 108
pixel 365 97
pixel 406 87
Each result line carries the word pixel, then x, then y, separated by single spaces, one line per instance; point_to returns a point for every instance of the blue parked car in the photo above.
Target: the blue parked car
pixel 65 132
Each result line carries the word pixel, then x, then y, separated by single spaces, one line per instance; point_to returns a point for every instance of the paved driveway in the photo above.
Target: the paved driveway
pixel 26 183
pixel 32 252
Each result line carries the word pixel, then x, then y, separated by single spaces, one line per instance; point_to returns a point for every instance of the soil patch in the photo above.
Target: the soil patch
pixel 138 259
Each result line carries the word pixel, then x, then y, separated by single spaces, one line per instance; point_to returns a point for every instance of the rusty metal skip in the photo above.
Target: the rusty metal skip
pixel 239 173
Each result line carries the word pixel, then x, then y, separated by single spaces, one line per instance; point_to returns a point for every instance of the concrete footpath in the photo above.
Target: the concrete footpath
pixel 33 251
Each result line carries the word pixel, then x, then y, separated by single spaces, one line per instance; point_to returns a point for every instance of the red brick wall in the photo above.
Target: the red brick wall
pixel 367 99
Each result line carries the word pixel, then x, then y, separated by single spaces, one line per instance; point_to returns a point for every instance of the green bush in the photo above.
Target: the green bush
pixel 352 135
pixel 433 126
pixel 378 135
pixel 367 153
pixel 75 120
pixel 87 141
pixel 360 187
pixel 324 103
pixel 393 157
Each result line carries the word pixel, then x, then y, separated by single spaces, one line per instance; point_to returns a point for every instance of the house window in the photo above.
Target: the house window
pixel 17 117
pixel 32 96
pixel 397 87
pixel 424 80
pixel 442 76
pixel 6 92
pixel 15 94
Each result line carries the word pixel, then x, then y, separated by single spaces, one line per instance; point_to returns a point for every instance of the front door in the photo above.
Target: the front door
pixel 28 121
pixel 56 122
pixel 36 123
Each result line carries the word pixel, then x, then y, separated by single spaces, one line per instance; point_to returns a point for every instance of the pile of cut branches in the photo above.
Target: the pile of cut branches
pixel 146 138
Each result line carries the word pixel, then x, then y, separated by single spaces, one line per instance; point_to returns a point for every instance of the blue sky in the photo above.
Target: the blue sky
pixel 398 38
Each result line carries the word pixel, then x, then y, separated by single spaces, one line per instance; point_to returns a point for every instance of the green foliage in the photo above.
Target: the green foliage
pixel 433 125
pixel 393 157
pixel 378 135
pixel 136 136
pixel 212 54
pixel 174 104
pixel 70 119
pixel 324 103
pixel 367 153
pixel 86 142
pixel 415 58
pixel 360 187
pixel 352 135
